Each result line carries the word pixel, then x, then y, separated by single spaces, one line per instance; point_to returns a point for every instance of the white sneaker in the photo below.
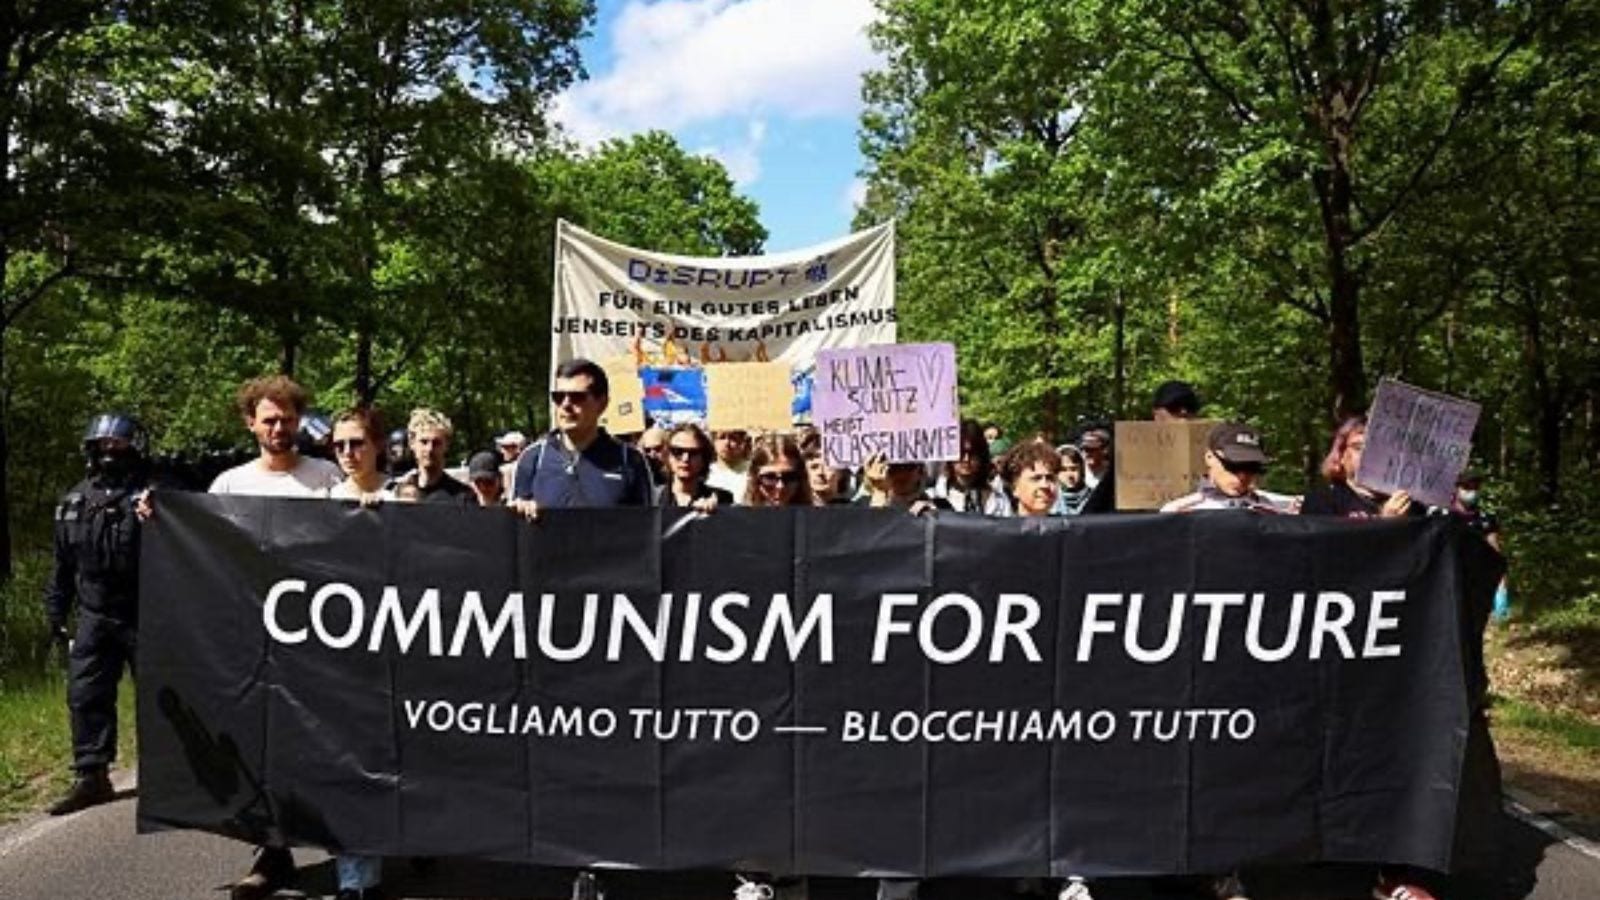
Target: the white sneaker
pixel 751 890
pixel 1075 889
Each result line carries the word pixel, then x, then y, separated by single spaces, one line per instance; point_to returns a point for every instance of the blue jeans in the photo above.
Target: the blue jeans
pixel 358 873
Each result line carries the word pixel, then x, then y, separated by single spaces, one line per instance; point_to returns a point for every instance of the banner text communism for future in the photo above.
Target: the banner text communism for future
pixel 612 300
pixel 827 692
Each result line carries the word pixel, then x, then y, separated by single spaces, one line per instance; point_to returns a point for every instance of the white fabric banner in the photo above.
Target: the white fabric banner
pixel 666 310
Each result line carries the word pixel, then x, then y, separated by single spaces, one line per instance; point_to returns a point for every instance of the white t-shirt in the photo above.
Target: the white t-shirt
pixel 732 480
pixel 309 478
pixel 346 490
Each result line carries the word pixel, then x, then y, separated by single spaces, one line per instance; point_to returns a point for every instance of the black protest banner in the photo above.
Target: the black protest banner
pixel 830 691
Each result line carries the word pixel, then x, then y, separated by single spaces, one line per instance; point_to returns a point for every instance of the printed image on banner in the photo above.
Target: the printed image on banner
pixel 898 400
pixel 1418 441
pixel 674 396
pixel 669 310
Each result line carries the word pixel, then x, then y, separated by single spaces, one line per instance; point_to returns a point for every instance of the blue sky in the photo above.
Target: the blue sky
pixel 769 87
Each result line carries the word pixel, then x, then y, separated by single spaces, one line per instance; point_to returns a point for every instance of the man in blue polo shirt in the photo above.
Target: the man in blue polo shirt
pixel 577 463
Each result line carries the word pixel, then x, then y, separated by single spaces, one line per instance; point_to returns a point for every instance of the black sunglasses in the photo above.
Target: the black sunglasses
pixel 560 397
pixel 346 446
pixel 1244 468
pixel 771 478
pixel 684 452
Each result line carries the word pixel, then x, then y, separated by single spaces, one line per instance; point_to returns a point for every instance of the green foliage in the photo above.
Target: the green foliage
pixel 1278 202
pixel 360 192
pixel 646 192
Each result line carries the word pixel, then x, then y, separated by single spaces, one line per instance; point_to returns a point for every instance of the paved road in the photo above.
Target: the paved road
pixel 96 854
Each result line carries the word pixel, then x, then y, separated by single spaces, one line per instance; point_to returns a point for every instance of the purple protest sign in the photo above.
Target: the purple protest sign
pixel 895 399
pixel 1417 441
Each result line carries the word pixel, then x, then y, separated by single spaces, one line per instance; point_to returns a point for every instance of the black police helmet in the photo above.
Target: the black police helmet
pixel 116 425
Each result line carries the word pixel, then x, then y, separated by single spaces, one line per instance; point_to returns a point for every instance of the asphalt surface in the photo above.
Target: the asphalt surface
pixel 96 854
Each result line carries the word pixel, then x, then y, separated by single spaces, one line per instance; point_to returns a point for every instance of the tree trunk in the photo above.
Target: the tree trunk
pixel 363 386
pixel 1049 306
pixel 1548 401
pixel 1119 387
pixel 1347 378
pixel 5 468
pixel 289 353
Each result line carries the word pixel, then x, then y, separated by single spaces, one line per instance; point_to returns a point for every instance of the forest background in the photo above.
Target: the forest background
pixel 1279 201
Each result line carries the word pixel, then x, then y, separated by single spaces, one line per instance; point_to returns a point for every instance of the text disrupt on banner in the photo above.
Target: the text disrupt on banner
pixel 665 309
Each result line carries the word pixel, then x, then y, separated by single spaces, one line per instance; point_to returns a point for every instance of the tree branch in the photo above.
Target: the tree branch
pixel 15 309
pixel 1244 111
pixel 1468 97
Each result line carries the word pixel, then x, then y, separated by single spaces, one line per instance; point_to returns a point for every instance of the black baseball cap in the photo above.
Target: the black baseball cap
pixel 1176 395
pixel 1236 443
pixel 483 465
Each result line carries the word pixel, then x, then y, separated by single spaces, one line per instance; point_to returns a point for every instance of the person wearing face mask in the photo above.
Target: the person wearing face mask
pixel 97 569
pixel 1468 505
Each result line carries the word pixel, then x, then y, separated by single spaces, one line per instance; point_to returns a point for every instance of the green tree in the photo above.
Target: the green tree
pixel 978 139
pixel 77 173
pixel 421 91
pixel 1302 132
pixel 646 191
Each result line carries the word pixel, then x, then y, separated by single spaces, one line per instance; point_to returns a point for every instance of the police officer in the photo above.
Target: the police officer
pixel 97 565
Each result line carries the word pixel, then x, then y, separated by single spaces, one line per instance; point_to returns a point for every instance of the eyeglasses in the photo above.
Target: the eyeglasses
pixel 773 479
pixel 559 398
pixel 684 452
pixel 1243 468
pixel 350 445
pixel 653 449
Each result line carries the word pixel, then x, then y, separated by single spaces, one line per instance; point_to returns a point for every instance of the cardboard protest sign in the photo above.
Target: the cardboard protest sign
pixel 1159 461
pixel 625 413
pixel 748 396
pixel 1418 441
pixel 674 395
pixel 895 399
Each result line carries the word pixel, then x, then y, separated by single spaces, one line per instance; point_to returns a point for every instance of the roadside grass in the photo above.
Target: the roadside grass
pixel 1555 755
pixel 1554 728
pixel 36 741
pixel 35 735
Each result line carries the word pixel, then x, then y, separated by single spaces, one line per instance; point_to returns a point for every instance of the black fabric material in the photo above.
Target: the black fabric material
pixel 666 498
pixel 1103 496
pixel 1339 499
pixel 445 489
pixel 1380 759
pixel 102 648
pixel 96 543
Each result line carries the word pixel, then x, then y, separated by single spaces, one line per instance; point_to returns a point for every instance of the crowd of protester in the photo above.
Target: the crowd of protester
pixel 349 456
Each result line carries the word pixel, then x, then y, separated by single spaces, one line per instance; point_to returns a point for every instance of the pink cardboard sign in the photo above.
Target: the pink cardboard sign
pixel 895 399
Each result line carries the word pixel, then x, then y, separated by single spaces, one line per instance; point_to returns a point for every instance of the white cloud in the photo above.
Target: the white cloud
pixel 680 62
pixel 855 194
pixel 743 158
